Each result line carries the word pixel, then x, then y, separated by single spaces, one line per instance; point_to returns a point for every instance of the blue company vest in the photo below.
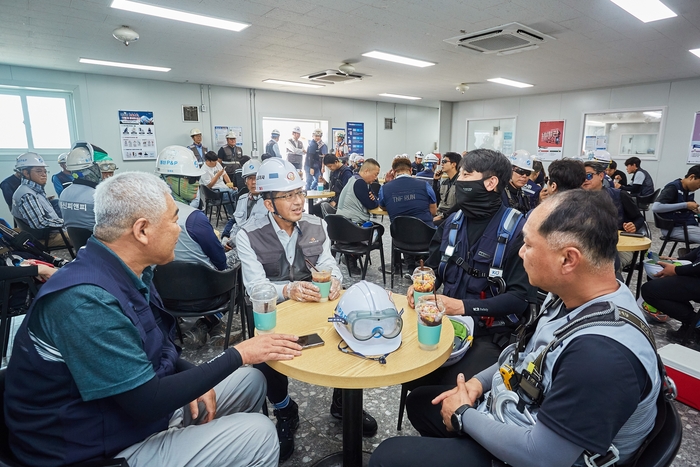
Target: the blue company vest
pixel 615 195
pixel 407 196
pixel 682 216
pixel 647 184
pixel 43 408
pixel 456 282
pixel 270 148
pixel 532 190
pixel 78 204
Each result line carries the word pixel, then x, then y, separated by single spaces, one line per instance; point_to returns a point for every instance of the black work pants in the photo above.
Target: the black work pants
pixel 672 296
pixel 277 383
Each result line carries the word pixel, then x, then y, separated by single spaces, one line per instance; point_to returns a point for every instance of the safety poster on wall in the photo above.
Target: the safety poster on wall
pixel 550 140
pixel 220 132
pixel 694 153
pixel 138 135
pixel 356 137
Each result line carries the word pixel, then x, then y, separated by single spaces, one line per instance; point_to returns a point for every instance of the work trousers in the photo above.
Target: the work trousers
pixel 672 296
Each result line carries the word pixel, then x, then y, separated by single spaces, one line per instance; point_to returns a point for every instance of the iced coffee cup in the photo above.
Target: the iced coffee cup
pixel 423 282
pixel 264 300
pixel 430 311
pixel 321 278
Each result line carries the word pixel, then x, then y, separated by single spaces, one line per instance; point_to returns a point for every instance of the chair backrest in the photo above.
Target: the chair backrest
pixel 661 223
pixel 327 209
pixel 78 236
pixel 663 448
pixel 411 233
pixel 6 457
pixel 645 230
pixel 343 230
pixel 180 280
pixel 40 234
pixel 211 195
pixel 643 202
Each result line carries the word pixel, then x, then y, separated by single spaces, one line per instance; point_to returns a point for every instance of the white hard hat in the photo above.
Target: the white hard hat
pixel 29 159
pixel 340 134
pixel 431 158
pixel 79 158
pixel 419 154
pixel 464 332
pixel 195 131
pixel 62 157
pixel 178 160
pixel 368 297
pixel 522 159
pixel 318 132
pixel 277 174
pixel 250 168
pixel 231 134
pixel 296 129
pixel 275 133
pixel 603 156
pixel 353 157
pixel 406 155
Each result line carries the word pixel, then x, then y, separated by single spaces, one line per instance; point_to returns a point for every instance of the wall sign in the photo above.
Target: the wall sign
pixel 355 137
pixel 694 153
pixel 550 140
pixel 138 135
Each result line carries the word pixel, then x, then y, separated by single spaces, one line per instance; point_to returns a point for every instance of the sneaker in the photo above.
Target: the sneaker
pixel 197 335
pixel 369 424
pixel 287 424
pixel 217 335
pixel 653 315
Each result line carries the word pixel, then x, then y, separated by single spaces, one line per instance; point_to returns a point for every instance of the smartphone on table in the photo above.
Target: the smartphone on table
pixel 310 340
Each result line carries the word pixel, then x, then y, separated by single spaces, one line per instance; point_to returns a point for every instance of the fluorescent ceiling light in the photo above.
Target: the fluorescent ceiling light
pixel 292 83
pixel 399 96
pixel 695 52
pixel 653 114
pixel 176 15
pixel 510 82
pixel 397 59
pixel 124 65
pixel 645 10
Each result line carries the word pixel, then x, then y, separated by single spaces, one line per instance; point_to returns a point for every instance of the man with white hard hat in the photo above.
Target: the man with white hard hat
pixel 314 159
pixel 275 248
pixel 62 179
pixel 272 148
pixel 430 162
pixel 78 200
pixel 29 202
pixel 196 147
pixel 249 204
pixel 603 159
pixel 513 194
pixel 295 149
pixel 232 158
pixel 417 165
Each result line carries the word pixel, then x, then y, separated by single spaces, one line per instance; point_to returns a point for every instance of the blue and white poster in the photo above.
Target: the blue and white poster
pixel 138 135
pixel 355 137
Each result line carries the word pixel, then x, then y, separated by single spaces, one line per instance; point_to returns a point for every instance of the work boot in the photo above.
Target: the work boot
pixel 369 424
pixel 287 424
pixel 196 336
pixel 353 268
pixel 217 335
pixel 683 335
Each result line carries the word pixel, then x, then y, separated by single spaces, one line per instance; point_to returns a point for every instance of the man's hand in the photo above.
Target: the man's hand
pixel 336 287
pixel 437 218
pixel 668 270
pixel 332 203
pixel 692 205
pixel 464 393
pixel 268 347
pixel 617 183
pixel 44 271
pixel 453 306
pixel 321 180
pixel 302 291
pixel 372 197
pixel 629 227
pixel 209 400
pixel 312 171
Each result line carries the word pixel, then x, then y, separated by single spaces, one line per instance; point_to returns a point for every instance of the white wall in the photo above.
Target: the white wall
pixel 98 98
pixel 681 97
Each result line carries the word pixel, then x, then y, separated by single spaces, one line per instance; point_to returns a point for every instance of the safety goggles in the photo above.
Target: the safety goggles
pixel 365 325
pixel 108 166
pixel 520 171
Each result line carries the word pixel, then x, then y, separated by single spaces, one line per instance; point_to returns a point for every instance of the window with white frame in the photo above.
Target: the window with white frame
pixel 35 120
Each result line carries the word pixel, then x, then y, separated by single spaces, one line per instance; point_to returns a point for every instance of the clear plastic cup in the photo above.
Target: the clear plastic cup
pixel 264 300
pixel 423 282
pixel 322 280
pixel 430 311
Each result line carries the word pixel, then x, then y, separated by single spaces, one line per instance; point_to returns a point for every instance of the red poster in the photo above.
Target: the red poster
pixel 551 134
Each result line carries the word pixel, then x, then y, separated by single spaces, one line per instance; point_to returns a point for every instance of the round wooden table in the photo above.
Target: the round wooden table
pixel 311 195
pixel 378 212
pixel 328 366
pixel 637 245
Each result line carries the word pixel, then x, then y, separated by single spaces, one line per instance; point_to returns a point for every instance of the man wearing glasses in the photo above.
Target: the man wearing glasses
pixel 277 248
pixel 513 195
pixel 29 202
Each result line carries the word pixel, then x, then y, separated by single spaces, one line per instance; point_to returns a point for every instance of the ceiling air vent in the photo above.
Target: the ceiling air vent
pixel 503 40
pixel 333 76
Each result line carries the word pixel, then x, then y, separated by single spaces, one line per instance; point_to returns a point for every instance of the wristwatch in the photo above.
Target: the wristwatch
pixel 456 419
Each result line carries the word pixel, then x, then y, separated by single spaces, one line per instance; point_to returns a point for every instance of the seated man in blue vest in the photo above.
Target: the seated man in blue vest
pixel 475 255
pixel 275 248
pixel 340 175
pixel 677 202
pixel 430 162
pixel 596 390
pixel 407 196
pixel 95 372
pixel 62 179
pixel 78 200
pixel 641 183
pixel 629 219
pixel 197 242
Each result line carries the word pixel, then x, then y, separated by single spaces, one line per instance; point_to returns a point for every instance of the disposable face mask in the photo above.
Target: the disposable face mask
pixel 365 325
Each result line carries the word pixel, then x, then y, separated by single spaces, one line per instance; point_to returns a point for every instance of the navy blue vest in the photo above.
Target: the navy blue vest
pixel 682 216
pixel 647 184
pixel 615 195
pixel 49 423
pixel 456 282
pixel 270 148
pixel 406 196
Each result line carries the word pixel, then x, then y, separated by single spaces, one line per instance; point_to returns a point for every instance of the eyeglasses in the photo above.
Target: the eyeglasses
pixel 520 171
pixel 291 196
pixel 40 171
pixel 589 176
pixel 343 347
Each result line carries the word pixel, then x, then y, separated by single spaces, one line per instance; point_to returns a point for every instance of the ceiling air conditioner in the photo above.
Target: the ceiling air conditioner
pixel 333 76
pixel 502 40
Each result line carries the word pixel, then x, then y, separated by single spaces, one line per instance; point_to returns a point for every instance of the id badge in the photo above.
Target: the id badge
pixel 495 272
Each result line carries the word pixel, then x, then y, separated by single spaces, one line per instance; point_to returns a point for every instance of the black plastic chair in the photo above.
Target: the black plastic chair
pixel 669 225
pixel 661 451
pixel 409 236
pixel 643 202
pixel 7 459
pixel 216 199
pixel 78 236
pixel 183 282
pixel 27 289
pixel 348 238
pixel 327 209
pixel 43 236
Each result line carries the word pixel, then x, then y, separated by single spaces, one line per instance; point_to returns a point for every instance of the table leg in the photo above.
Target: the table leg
pixel 633 266
pixel 311 203
pixel 643 255
pixel 352 427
